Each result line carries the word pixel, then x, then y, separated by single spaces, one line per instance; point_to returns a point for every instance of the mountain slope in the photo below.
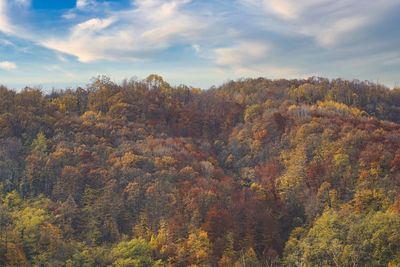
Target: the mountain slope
pixel 256 172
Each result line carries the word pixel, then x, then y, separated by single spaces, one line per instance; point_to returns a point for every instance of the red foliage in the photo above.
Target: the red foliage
pixel 85 155
pixel 266 174
pixel 313 172
pixel 280 121
pixel 217 223
pixel 396 205
pixel 395 164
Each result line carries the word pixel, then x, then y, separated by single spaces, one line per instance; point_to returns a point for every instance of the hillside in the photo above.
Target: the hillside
pixel 256 172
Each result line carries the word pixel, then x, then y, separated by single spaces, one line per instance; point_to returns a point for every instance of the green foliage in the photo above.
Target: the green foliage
pixel 39 145
pixel 347 239
pixel 253 111
pixel 136 252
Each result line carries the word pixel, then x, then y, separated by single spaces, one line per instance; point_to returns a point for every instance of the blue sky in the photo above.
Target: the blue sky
pixel 65 43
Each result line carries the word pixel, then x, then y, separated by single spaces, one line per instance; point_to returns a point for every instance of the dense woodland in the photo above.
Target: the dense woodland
pixel 256 172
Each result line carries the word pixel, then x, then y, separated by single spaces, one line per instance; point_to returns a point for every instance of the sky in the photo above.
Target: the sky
pixel 200 43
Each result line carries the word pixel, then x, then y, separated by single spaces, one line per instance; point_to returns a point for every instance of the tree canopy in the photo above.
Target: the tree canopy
pixel 256 172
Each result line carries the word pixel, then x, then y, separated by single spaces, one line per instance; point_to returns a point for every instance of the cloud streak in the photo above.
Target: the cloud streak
pixel 147 27
pixel 7 65
pixel 329 22
pixel 4 21
pixel 242 53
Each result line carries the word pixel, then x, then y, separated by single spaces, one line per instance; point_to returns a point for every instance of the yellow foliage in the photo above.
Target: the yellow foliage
pixel 225 262
pixel 69 103
pixel 253 111
pixel 331 107
pixel 368 199
pixel 258 190
pixel 15 256
pixel 89 118
pixel 261 135
pixel 196 91
pixel 244 134
pixel 341 160
pixel 5 128
pixel 132 160
pixel 165 162
pixel 269 104
pixel 199 247
pixel 229 161
pixel 119 110
pixel 188 172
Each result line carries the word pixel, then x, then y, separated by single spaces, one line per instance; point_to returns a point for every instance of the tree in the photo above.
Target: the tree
pixel 136 252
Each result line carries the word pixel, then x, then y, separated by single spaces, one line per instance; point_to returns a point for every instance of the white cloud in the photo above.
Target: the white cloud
pixel 92 25
pixel 4 23
pixel 6 43
pixel 12 10
pixel 148 26
pixel 261 70
pixel 62 58
pixel 81 3
pixel 265 70
pixel 56 68
pixel 242 53
pixel 7 65
pixel 283 8
pixel 69 15
pixel 331 34
pixel 291 10
pixel 196 48
pixel 84 3
pixel 328 22
pixel 248 59
pixel 25 3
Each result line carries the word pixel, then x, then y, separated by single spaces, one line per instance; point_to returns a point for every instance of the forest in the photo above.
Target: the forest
pixel 255 172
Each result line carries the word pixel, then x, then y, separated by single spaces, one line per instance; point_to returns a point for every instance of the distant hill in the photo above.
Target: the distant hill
pixel 256 172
